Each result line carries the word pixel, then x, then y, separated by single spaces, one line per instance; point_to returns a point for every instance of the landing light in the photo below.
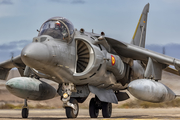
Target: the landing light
pixel 65 95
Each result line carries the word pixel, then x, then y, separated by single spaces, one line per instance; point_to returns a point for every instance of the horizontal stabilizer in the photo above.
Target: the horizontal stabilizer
pixel 6 66
pixel 4 72
pixel 171 70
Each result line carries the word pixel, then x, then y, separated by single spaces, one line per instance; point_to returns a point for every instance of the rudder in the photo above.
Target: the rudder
pixel 140 32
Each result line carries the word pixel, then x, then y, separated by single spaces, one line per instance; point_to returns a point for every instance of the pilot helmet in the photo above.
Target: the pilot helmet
pixel 57 24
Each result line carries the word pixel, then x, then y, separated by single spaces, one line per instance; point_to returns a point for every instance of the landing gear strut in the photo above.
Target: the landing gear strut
pixel 69 103
pixel 25 110
pixel 95 105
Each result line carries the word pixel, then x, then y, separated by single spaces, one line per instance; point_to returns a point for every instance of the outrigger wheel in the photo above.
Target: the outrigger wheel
pixel 25 110
pixel 70 112
pixel 25 113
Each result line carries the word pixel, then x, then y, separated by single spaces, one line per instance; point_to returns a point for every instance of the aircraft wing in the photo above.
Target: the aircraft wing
pixel 6 66
pixel 139 53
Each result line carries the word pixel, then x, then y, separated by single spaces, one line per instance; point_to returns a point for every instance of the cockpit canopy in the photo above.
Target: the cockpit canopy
pixel 58 28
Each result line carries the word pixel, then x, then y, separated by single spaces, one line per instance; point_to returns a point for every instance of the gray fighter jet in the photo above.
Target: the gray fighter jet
pixel 83 62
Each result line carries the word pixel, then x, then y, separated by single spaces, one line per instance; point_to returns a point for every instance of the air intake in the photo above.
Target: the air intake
pixel 83 56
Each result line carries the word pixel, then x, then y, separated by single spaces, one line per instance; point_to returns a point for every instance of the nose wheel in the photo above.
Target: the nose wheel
pixel 72 112
pixel 25 110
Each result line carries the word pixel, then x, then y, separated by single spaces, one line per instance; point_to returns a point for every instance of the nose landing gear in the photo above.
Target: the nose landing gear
pixel 70 104
pixel 72 112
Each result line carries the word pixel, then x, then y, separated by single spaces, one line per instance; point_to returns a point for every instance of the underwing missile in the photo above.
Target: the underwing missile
pixel 149 90
pixel 30 88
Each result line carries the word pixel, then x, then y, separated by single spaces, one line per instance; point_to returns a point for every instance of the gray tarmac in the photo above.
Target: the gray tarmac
pixel 118 114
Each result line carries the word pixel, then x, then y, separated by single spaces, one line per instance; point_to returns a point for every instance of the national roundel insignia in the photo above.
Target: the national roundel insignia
pixel 113 60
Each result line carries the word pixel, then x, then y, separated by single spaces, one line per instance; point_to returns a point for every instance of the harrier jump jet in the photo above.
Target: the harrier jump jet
pixel 82 62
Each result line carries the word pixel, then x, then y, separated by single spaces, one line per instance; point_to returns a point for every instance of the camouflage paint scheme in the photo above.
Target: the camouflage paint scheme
pixel 83 62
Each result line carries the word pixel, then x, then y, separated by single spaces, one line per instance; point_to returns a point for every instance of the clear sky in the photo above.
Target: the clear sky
pixel 19 19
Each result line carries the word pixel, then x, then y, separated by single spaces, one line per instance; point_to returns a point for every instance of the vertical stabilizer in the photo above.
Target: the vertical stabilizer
pixel 140 32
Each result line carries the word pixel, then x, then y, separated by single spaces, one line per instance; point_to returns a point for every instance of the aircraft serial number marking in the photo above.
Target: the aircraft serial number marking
pixel 79 91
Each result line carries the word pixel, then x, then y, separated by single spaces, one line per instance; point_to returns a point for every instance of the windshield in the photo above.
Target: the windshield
pixel 58 28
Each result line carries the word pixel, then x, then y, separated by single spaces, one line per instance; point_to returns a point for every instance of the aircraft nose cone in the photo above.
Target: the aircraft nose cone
pixel 35 53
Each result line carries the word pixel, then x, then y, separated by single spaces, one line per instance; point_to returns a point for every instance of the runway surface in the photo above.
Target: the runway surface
pixel 118 114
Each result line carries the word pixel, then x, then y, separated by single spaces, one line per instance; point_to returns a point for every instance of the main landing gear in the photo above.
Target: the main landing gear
pixel 25 110
pixel 95 105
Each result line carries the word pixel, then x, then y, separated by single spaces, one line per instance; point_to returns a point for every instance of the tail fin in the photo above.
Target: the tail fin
pixel 140 32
